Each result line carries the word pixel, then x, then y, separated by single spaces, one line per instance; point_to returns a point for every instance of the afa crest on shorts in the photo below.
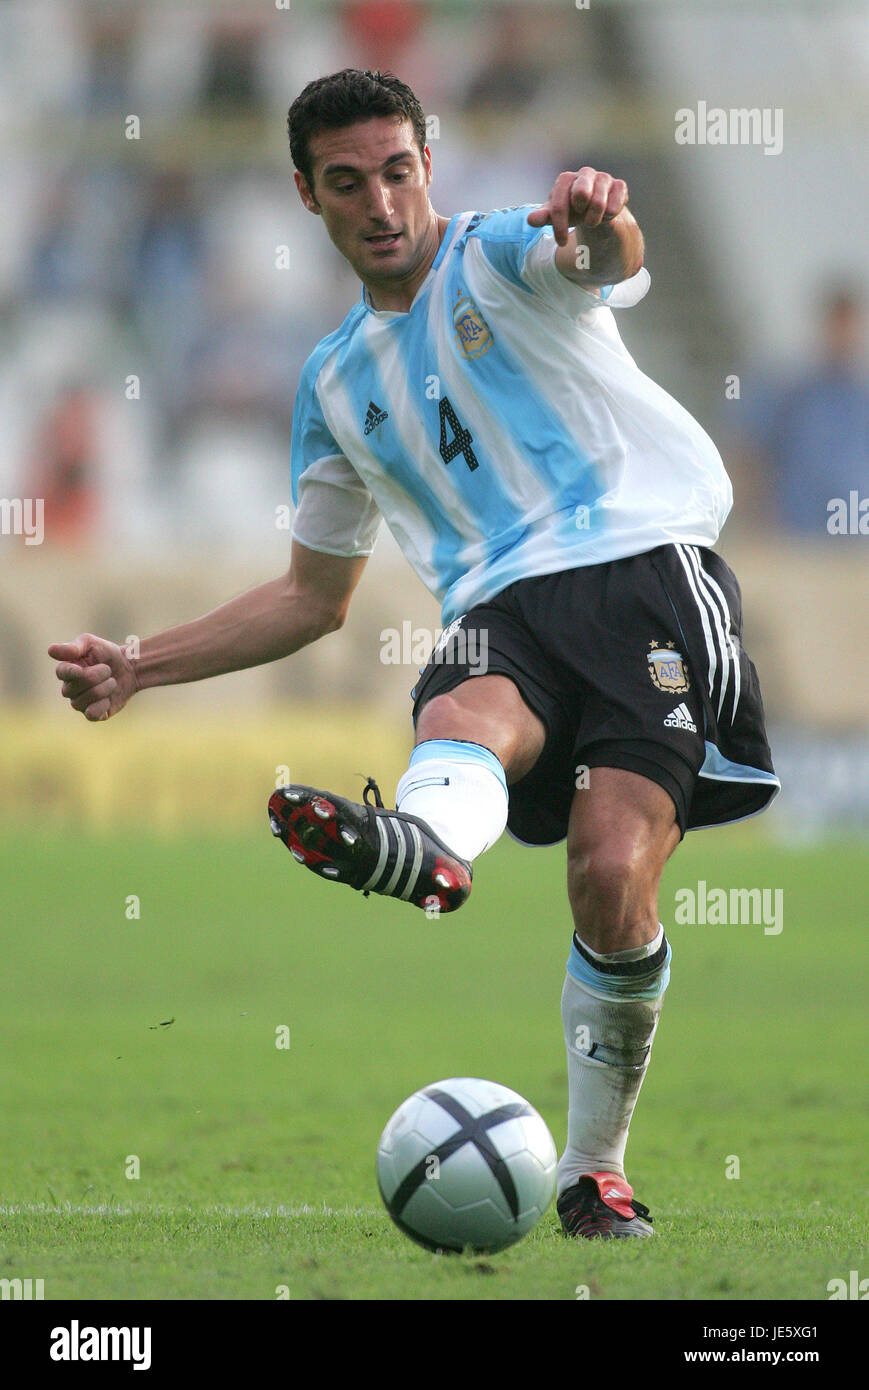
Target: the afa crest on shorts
pixel 667 669
pixel 472 331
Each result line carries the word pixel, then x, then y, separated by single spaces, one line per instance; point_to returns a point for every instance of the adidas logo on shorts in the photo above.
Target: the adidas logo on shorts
pixel 680 718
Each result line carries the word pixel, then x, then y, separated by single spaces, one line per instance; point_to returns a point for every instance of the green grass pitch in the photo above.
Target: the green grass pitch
pixel 256 1163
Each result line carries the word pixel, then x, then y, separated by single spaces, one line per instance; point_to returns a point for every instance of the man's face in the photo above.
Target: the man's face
pixel 371 189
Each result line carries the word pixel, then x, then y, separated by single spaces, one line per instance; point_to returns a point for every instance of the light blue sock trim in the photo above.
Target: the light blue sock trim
pixel 457 752
pixel 619 986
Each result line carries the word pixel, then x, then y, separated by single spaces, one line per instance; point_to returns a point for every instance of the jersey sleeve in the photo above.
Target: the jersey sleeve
pixel 506 240
pixel 542 275
pixel 525 256
pixel 336 513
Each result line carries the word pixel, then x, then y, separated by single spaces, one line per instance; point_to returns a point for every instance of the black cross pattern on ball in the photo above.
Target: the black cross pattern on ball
pixel 472 1131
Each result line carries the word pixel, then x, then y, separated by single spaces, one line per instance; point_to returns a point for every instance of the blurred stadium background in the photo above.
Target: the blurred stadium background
pixel 182 258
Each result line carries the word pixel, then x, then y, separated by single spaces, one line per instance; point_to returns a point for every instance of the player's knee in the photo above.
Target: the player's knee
pixel 488 710
pixel 445 717
pixel 603 874
pixel 608 888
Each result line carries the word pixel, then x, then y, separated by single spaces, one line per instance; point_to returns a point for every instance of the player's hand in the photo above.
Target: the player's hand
pixel 584 197
pixel 98 677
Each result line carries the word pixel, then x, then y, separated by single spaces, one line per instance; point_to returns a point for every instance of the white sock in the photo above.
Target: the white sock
pixel 610 1013
pixel 459 789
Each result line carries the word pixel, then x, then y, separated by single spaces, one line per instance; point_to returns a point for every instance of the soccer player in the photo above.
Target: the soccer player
pixel 591 682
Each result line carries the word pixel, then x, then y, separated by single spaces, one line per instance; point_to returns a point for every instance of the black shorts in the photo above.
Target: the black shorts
pixel 638 664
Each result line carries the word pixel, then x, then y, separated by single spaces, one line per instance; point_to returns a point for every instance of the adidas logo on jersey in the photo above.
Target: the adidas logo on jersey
pixel 375 417
pixel 680 718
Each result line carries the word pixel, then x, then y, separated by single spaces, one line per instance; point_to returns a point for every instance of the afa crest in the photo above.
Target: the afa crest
pixel 472 331
pixel 667 669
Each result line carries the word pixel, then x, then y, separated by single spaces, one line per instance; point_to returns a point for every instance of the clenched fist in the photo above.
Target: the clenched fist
pixel 98 677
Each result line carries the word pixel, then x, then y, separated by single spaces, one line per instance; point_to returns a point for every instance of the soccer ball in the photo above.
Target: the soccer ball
pixel 466 1164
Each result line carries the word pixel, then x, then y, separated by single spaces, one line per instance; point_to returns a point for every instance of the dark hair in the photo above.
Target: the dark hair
pixel 341 99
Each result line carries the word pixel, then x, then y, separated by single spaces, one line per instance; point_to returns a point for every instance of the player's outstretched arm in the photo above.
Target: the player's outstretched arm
pixel 599 242
pixel 267 623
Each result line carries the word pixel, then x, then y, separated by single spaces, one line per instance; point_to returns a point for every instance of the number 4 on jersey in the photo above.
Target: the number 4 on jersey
pixel 462 439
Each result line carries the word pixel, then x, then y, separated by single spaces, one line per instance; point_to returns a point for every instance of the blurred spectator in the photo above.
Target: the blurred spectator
pixel 167 270
pixel 511 75
pixel 380 32
pixel 238 366
pixel 78 249
pixel 169 250
pixel 64 467
pixel 805 440
pixel 231 81
pixel 64 260
pixel 108 62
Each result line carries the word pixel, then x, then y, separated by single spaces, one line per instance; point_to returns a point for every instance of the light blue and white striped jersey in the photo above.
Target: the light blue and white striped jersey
pixel 500 427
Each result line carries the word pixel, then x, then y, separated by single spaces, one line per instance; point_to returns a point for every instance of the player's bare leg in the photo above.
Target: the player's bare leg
pixel 451 804
pixel 487 710
pixel 622 831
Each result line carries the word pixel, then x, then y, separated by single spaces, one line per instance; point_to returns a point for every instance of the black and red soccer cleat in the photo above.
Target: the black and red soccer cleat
pixel 369 848
pixel 601 1206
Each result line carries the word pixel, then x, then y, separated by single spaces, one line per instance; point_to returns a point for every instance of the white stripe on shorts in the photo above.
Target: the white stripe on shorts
pixel 713 587
pixel 704 617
